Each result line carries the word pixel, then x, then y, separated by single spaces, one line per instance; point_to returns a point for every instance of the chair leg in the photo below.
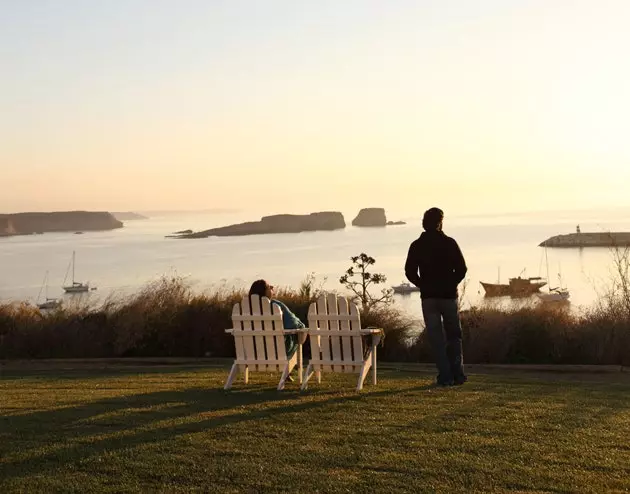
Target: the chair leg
pixel 246 375
pixel 374 365
pixel 319 377
pixel 283 379
pixel 365 368
pixel 231 376
pixel 287 370
pixel 309 373
pixel 300 363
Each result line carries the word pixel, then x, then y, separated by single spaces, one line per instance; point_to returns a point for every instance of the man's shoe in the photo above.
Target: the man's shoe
pixel 443 384
pixel 460 380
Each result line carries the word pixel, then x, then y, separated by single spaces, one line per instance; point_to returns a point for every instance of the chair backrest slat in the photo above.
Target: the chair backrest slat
pixel 316 352
pixel 257 324
pixel 357 341
pixel 278 327
pixel 324 344
pixel 333 327
pixel 270 344
pixel 346 341
pixel 238 328
pixel 245 326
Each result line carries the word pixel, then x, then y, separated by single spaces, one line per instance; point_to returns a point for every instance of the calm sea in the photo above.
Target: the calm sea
pixel 123 260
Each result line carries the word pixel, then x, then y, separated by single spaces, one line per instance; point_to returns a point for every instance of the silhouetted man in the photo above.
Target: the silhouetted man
pixel 435 264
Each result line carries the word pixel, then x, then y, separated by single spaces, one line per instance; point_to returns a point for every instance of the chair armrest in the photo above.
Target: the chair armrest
pixel 302 335
pixel 375 333
pixel 368 331
pixel 259 331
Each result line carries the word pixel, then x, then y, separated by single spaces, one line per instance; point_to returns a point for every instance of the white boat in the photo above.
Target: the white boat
pixel 49 303
pixel 557 294
pixel 554 295
pixel 76 286
pixel 405 287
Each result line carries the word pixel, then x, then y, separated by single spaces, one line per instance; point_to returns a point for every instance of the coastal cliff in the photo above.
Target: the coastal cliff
pixel 67 221
pixel 279 223
pixel 604 239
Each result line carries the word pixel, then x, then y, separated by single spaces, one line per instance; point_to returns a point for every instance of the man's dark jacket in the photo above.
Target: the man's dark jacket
pixel 435 264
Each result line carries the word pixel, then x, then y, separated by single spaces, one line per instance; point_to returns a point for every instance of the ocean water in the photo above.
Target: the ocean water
pixel 122 261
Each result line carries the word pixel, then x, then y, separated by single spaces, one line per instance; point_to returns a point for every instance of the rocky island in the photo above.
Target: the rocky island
pixel 373 217
pixel 279 223
pixel 370 217
pixel 66 221
pixel 603 239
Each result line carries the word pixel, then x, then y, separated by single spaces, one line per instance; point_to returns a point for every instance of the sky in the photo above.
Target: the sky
pixel 299 106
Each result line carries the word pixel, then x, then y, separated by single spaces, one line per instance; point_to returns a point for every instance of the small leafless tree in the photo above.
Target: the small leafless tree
pixel 361 287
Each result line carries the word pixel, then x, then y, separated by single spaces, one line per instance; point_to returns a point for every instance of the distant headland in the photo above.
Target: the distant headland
pixel 63 221
pixel 586 239
pixel 129 216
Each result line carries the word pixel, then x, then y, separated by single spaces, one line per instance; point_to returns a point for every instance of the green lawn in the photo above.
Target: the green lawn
pixel 173 429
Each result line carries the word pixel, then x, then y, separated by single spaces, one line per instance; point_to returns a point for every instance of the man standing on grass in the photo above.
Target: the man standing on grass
pixel 435 264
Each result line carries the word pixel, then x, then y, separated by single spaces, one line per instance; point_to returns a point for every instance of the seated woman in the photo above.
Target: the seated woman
pixel 289 319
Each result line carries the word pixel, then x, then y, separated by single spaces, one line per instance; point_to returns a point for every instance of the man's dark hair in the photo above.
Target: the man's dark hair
pixel 432 220
pixel 259 287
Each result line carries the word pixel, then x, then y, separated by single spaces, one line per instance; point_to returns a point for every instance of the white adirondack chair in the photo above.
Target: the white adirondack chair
pixel 334 328
pixel 259 338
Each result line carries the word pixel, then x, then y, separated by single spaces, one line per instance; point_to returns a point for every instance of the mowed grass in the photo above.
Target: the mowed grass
pixel 174 429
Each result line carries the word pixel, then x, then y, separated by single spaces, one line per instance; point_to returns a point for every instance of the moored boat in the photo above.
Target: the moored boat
pixel 517 287
pixel 76 287
pixel 405 288
pixel 49 303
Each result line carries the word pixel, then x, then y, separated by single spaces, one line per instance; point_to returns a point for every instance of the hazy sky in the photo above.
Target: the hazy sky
pixel 298 106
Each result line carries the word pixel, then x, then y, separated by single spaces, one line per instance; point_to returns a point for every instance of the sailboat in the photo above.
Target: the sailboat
pixel 50 303
pixel 557 294
pixel 76 286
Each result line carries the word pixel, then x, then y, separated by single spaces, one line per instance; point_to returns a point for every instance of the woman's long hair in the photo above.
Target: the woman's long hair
pixel 259 287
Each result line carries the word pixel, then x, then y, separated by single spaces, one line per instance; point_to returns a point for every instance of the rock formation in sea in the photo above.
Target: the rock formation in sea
pixel 279 223
pixel 370 217
pixel 66 221
pixel 394 223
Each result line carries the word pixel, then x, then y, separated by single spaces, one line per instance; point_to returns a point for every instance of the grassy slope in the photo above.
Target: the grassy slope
pixel 172 428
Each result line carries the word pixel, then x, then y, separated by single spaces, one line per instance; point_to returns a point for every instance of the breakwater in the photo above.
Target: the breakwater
pixel 588 239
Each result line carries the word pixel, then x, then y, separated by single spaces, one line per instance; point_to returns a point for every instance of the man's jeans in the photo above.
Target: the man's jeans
pixel 446 339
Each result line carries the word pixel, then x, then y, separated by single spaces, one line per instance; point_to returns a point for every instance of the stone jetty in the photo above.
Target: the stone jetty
pixel 585 239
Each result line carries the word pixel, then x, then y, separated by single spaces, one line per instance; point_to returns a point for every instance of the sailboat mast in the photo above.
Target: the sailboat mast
pixel 547 264
pixel 74 253
pixel 42 287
